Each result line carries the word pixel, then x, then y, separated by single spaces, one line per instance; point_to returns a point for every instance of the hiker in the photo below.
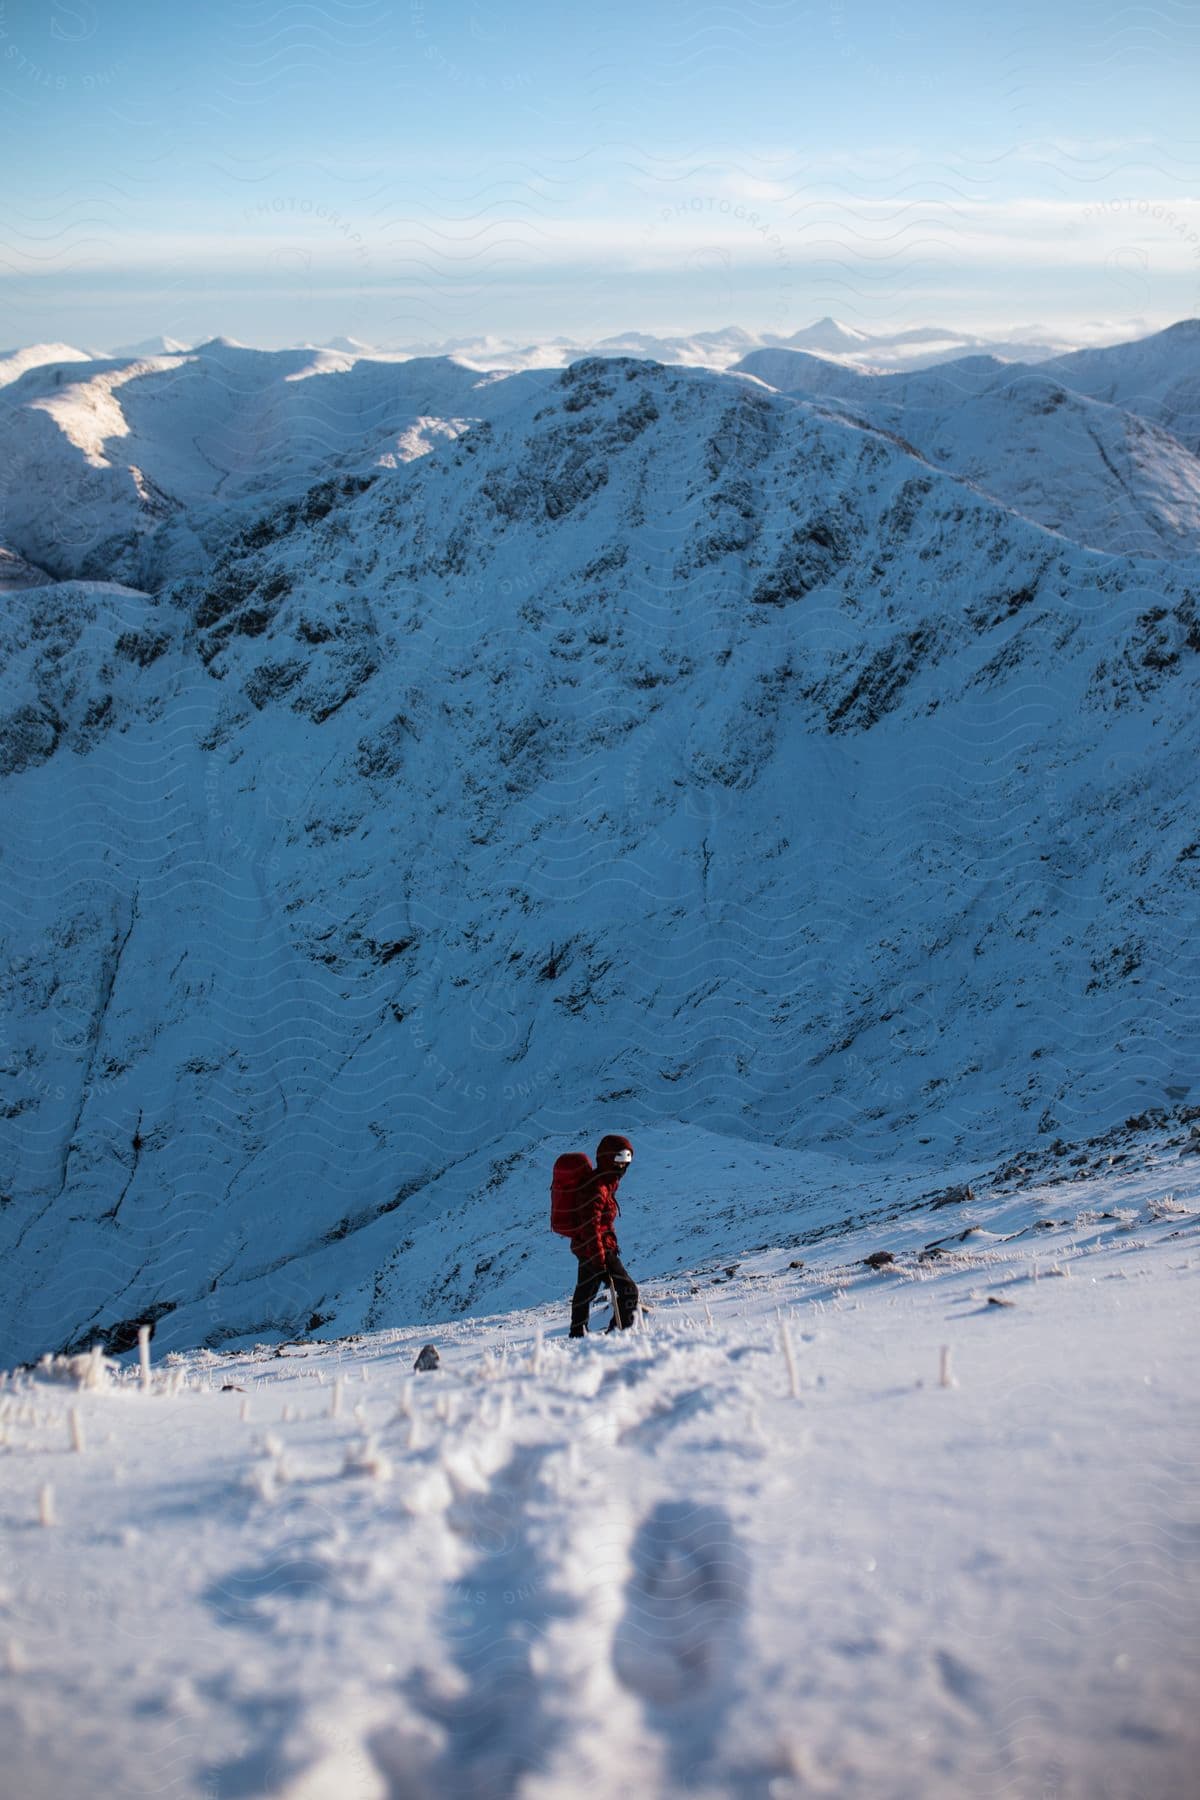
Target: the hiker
pixel 584 1207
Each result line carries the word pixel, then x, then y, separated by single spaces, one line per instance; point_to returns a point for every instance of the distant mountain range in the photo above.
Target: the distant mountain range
pixel 911 348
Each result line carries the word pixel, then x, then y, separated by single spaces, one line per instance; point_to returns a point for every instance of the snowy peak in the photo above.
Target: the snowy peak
pixel 828 334
pixel 152 346
pixel 912 348
pixel 797 371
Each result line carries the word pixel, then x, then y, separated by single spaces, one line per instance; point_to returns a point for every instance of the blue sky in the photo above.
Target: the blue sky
pixel 278 170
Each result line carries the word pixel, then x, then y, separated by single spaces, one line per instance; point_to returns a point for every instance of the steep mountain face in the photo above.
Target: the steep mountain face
pixel 660 750
pixel 1101 473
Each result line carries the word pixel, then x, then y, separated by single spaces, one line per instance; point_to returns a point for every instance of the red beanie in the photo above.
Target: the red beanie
pixel 608 1146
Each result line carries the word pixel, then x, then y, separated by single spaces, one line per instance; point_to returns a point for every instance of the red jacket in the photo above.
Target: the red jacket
pixel 598 1209
pixel 596 1235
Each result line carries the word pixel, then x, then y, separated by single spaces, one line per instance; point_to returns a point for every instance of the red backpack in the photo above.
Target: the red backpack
pixel 571 1171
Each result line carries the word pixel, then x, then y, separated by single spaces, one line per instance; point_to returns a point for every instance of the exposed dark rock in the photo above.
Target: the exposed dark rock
pixel 880 685
pixel 313 630
pixel 743 435
pixel 813 558
pixel 899 519
pixel 272 679
pixel 380 755
pixel 320 501
pixel 123 1336
pixel 29 735
pixel 142 646
pixel 346 677
pixel 958 1194
pixel 228 587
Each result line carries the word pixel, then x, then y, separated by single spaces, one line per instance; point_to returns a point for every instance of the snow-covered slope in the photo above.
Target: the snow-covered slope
pixel 802 372
pixel 915 1532
pixel 662 750
pixel 15 363
pixel 16 573
pixel 135 469
pixel 1093 471
pixel 1156 377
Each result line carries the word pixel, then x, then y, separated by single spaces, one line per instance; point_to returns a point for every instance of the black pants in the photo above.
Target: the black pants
pixel 594 1271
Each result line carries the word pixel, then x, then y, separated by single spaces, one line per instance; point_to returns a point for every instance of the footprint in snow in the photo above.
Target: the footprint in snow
pixel 679 1409
pixel 251 1595
pixel 684 1599
pixel 960 1680
pixel 494 1731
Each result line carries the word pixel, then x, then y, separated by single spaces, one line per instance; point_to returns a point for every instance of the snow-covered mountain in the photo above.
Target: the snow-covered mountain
pixel 1105 474
pixel 795 371
pixel 917 347
pixel 158 345
pixel 134 469
pixel 869 352
pixel 1157 378
pixel 830 337
pixel 15 572
pixel 15 363
pixel 658 748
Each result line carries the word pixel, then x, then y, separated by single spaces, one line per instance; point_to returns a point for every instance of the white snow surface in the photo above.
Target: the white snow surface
pixel 670 1561
pixel 15 363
